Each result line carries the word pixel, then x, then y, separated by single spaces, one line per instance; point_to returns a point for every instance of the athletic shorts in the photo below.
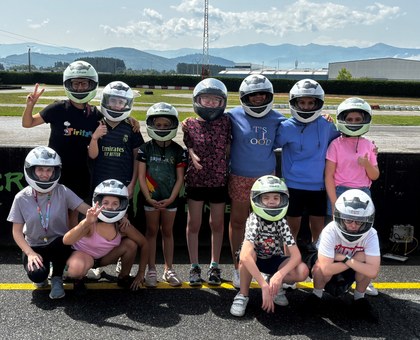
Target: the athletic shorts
pixel 240 187
pixel 211 195
pixel 313 203
pixel 270 266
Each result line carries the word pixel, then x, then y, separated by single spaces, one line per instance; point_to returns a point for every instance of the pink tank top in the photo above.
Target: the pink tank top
pixel 96 245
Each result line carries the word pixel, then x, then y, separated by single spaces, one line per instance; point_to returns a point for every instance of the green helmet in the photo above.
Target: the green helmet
pixel 162 110
pixel 354 104
pixel 269 184
pixel 80 70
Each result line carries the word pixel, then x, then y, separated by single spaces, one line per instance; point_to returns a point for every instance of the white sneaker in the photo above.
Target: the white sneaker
pixel 94 274
pixel 239 305
pixel 371 290
pixel 266 277
pixel 118 267
pixel 236 281
pixel 280 299
pixel 289 285
pixel 151 278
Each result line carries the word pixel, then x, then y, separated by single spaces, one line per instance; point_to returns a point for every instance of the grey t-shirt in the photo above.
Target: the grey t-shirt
pixel 24 211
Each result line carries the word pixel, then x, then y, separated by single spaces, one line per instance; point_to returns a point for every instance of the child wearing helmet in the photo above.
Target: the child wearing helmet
pixel 39 217
pixel 72 122
pixel 207 138
pixel 351 160
pixel 100 239
pixel 304 139
pixel 254 127
pixel 266 235
pixel 114 145
pixel 348 252
pixel 161 164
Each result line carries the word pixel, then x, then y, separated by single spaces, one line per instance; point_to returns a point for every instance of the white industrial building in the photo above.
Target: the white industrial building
pixel 378 69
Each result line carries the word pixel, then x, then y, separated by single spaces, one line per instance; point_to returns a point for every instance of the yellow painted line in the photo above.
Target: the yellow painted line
pixel 185 285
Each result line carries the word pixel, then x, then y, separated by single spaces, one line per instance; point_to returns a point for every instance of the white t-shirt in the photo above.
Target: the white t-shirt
pixel 330 243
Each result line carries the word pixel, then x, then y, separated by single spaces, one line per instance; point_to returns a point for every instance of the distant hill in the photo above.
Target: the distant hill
pixel 284 56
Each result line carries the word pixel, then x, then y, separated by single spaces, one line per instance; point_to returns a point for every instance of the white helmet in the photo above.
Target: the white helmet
pixel 269 184
pixel 80 70
pixel 162 110
pixel 42 156
pixel 354 105
pixel 117 90
pixel 210 86
pixel 256 84
pixel 111 187
pixel 354 205
pixel 306 88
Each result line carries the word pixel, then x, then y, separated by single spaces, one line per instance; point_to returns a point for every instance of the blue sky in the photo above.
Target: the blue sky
pixel 172 24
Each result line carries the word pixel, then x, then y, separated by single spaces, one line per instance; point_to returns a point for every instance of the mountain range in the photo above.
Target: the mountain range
pixel 284 56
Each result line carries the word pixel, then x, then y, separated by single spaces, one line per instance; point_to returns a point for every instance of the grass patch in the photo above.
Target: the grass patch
pixel 182 100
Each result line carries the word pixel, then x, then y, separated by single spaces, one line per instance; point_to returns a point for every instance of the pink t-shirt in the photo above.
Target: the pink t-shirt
pixel 345 151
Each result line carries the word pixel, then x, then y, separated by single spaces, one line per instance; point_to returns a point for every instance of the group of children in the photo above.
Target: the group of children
pixel 228 155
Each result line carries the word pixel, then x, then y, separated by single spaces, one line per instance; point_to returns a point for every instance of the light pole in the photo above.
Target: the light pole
pixel 29 59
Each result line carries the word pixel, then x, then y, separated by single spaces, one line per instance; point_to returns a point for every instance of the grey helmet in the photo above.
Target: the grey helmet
pixel 306 88
pixel 42 156
pixel 83 70
pixel 354 104
pixel 111 187
pixel 162 110
pixel 354 205
pixel 255 84
pixel 210 86
pixel 117 90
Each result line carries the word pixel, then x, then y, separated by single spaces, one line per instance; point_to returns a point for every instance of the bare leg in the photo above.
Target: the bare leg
pixel 217 224
pixel 238 215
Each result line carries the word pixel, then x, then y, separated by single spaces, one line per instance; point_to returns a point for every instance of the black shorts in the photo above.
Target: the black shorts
pixel 270 266
pixel 313 203
pixel 211 195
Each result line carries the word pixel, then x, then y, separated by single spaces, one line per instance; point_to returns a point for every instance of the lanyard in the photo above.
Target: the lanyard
pixel 44 220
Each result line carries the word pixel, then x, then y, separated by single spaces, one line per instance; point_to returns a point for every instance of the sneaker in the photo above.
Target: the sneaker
pixel 118 267
pixel 362 310
pixel 239 305
pixel 236 281
pixel 280 299
pixel 95 273
pixel 266 277
pixel 125 282
pixel 151 278
pixel 42 284
pixel 57 290
pixel 214 276
pixel 171 277
pixel 195 276
pixel 79 287
pixel 371 290
pixel 292 286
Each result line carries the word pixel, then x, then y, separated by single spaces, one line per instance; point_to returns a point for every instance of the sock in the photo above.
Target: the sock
pixel 195 265
pixel 318 292
pixel 358 295
pixel 214 265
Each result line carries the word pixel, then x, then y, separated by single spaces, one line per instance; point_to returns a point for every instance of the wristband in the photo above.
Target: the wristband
pixel 348 257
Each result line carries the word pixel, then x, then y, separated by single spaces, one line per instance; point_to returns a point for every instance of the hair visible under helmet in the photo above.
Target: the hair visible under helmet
pixel 210 86
pixel 354 104
pixel 42 156
pixel 162 110
pixel 120 90
pixel 306 88
pixel 111 187
pixel 354 205
pixel 80 70
pixel 256 84
pixel 269 184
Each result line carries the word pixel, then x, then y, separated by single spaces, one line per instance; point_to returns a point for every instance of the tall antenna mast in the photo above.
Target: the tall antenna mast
pixel 205 69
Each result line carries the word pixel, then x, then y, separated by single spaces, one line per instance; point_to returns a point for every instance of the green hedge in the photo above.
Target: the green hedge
pixel 355 87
